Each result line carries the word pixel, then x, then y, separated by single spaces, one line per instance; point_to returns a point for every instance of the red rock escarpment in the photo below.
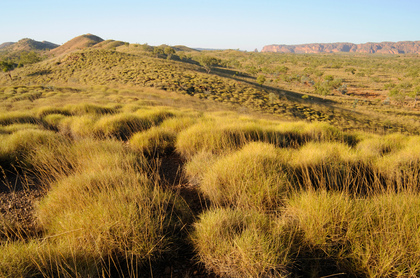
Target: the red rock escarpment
pixel 383 47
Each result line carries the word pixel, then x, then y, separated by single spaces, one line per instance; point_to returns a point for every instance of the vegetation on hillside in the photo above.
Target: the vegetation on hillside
pixel 148 155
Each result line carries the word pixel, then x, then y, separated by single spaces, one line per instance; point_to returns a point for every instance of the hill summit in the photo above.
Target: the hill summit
pixel 77 43
pixel 404 47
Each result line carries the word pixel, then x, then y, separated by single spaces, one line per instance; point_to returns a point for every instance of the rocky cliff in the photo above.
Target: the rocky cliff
pixel 383 47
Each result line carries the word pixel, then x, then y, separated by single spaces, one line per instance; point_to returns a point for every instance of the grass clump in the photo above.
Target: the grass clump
pixel 103 213
pixel 374 237
pixel 401 168
pixel 331 166
pixel 253 177
pixel 219 134
pixel 17 117
pixel 177 124
pixel 154 141
pixel 76 127
pixel 9 129
pixel 123 126
pixel 242 243
pixel 88 108
pixel 47 110
pixel 45 259
pixel 15 147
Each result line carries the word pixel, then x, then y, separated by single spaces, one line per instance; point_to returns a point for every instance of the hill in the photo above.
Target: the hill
pixel 27 45
pixel 6 45
pixel 108 44
pixel 77 43
pixel 133 67
pixel 404 47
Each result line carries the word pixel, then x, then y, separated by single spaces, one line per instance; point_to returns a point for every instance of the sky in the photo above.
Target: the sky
pixel 217 24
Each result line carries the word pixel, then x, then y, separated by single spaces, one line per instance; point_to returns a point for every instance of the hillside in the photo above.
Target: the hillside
pixel 132 66
pixel 27 45
pixel 77 43
pixel 130 160
pixel 383 48
pixel 6 45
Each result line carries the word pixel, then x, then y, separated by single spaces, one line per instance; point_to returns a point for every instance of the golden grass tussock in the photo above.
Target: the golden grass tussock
pixel 197 166
pixel 253 177
pixel 15 147
pixel 242 243
pixel 179 123
pixel 122 126
pixel 53 120
pixel 375 146
pixel 37 258
pixel 48 110
pixel 17 117
pixel 154 141
pixel 76 126
pixel 402 166
pixel 87 108
pixel 374 237
pixel 333 166
pixel 102 208
pixel 217 134
pixel 9 129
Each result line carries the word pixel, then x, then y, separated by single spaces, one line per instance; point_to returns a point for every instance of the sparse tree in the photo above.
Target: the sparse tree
pixel 158 50
pixel 169 51
pixel 207 62
pixel 147 47
pixel 7 66
pixel 27 58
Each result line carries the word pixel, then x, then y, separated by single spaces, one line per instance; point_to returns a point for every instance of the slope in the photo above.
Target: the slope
pixel 77 43
pixel 92 67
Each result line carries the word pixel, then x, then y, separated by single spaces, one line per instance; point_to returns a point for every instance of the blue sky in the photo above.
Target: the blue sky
pixel 234 24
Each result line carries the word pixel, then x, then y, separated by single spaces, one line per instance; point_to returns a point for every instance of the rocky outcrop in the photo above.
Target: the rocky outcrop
pixel 383 47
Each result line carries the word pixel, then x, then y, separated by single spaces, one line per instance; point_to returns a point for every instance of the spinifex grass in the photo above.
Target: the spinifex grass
pixel 243 243
pixel 102 210
pixel 374 237
pixel 253 177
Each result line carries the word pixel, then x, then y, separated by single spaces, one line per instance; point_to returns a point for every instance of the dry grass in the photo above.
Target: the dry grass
pixel 374 237
pixel 242 243
pixel 253 177
pixel 284 194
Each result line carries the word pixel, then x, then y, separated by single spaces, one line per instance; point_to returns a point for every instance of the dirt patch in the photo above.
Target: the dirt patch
pixel 185 264
pixel 17 210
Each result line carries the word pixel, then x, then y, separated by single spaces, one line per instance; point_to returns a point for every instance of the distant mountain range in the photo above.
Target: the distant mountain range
pixel 404 47
pixel 89 40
